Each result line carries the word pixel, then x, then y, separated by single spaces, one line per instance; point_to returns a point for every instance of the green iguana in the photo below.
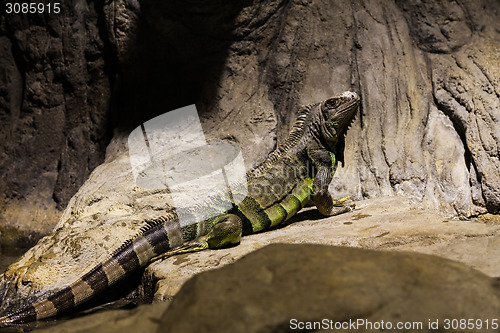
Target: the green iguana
pixel 277 189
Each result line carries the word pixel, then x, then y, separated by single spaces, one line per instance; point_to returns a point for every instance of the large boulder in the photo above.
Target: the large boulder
pixel 282 288
pixel 427 130
pixel 426 70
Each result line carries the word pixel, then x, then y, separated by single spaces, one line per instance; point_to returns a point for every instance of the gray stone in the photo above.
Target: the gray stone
pixel 144 318
pixel 108 209
pixel 391 223
pixel 54 112
pixel 410 138
pixel 282 285
pixel 266 290
pixel 467 90
pixel 427 72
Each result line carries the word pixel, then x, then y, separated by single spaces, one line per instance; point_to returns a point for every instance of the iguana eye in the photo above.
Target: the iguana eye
pixel 332 103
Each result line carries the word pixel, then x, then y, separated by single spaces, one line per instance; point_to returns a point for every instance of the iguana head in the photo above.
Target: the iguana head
pixel 337 113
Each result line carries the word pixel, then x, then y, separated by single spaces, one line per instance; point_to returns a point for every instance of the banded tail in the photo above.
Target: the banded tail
pixel 278 188
pixel 133 254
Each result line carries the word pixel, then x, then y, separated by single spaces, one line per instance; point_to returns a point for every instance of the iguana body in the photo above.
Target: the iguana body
pixel 297 171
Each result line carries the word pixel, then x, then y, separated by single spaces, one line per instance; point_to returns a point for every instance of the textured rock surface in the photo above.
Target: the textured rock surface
pixel 263 291
pixel 54 111
pixel 268 288
pixel 427 70
pixel 428 127
pixel 108 209
pixel 389 223
pixel 144 318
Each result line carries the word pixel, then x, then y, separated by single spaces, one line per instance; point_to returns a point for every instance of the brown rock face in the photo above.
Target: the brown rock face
pixel 462 44
pixel 285 288
pixel 54 110
pixel 427 71
pixel 428 129
pixel 390 223
pixel 280 287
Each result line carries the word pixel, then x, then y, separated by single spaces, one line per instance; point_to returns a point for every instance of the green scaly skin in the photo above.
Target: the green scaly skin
pixel 298 172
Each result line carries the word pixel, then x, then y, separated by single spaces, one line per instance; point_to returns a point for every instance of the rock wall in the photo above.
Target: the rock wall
pixel 427 71
pixel 54 110
pixel 428 128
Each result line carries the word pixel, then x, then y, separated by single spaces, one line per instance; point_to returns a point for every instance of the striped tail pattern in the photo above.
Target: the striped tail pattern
pixel 135 253
pixel 298 171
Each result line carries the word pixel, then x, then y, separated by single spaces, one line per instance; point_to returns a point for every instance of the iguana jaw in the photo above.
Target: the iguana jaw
pixel 338 112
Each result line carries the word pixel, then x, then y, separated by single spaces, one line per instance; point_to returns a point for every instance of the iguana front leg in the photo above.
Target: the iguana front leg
pixel 226 231
pixel 324 201
pixel 326 165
